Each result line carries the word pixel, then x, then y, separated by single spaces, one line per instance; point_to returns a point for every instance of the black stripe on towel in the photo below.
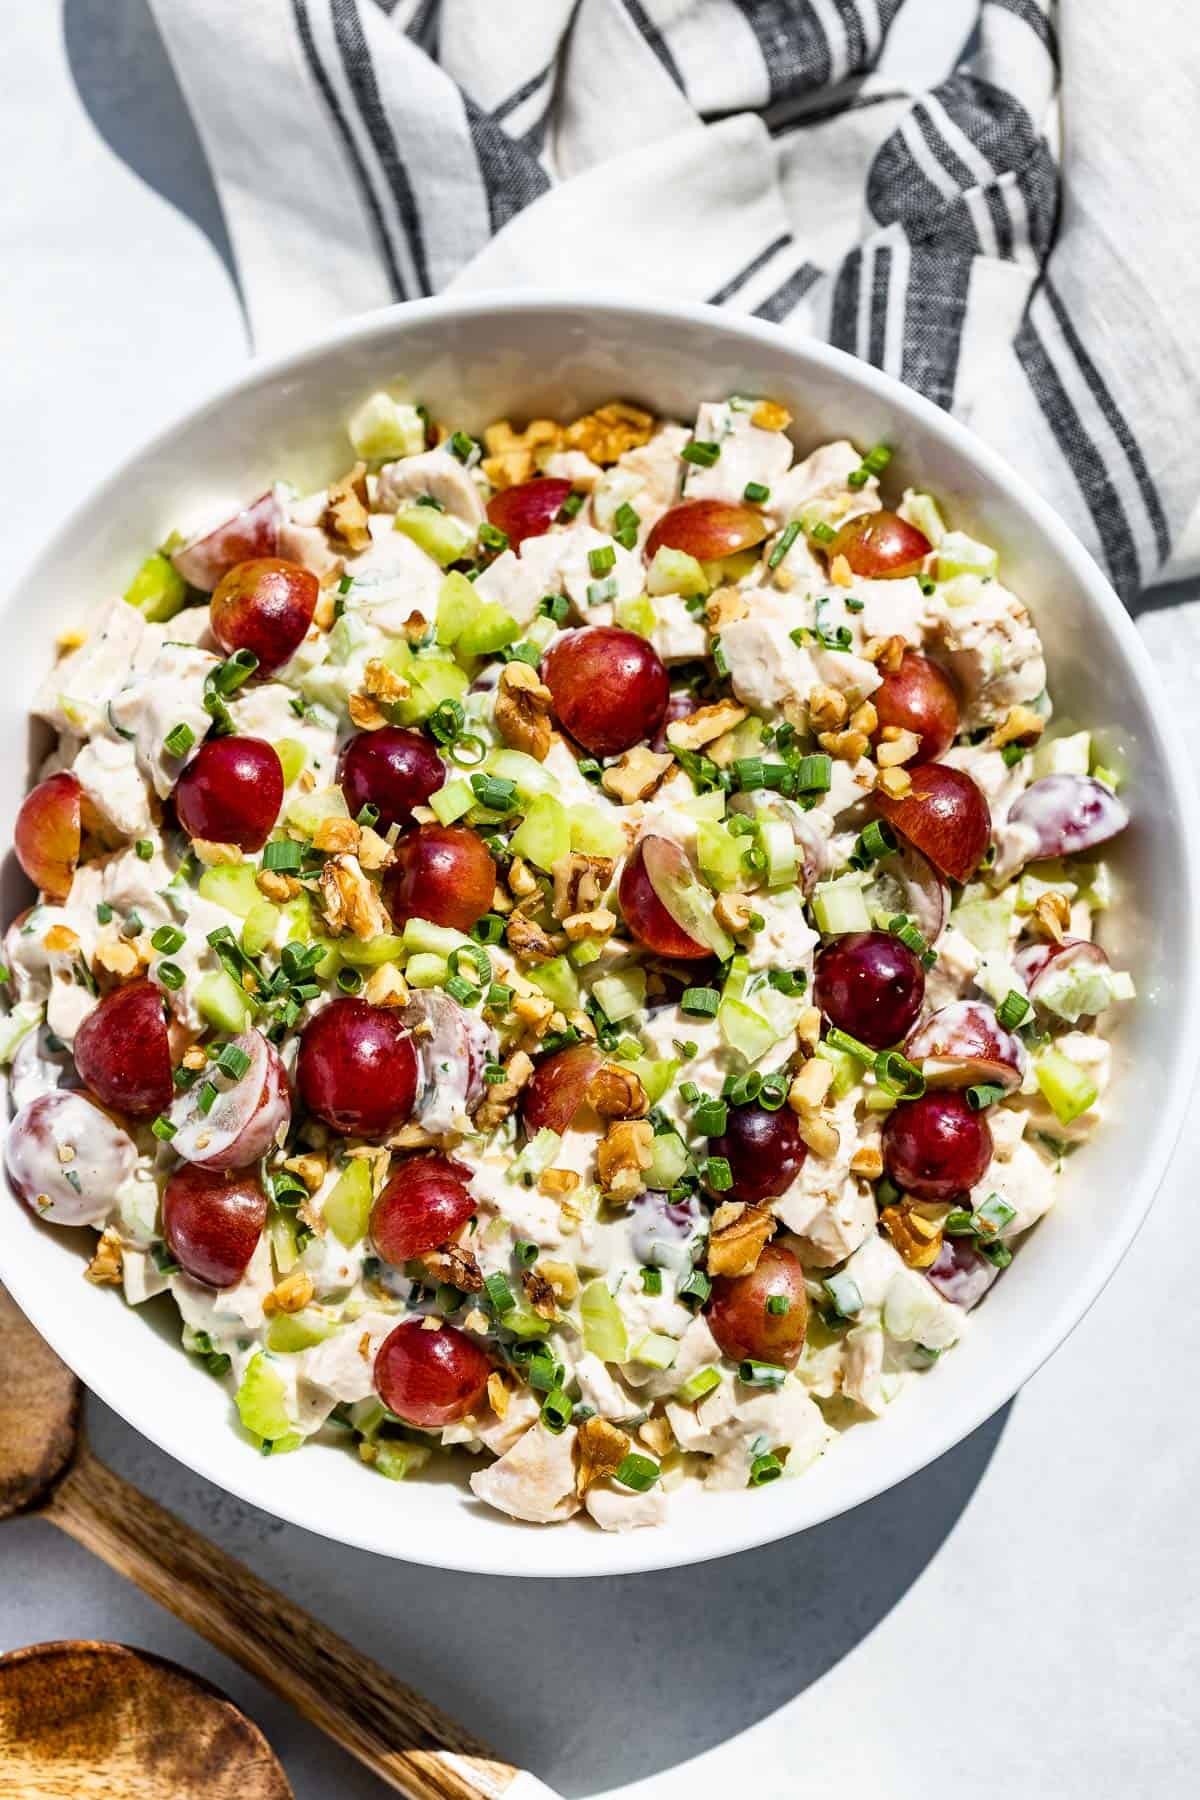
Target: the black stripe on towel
pixel 729 288
pixel 843 311
pixel 934 314
pixel 512 175
pixel 788 295
pixel 655 39
pixel 795 50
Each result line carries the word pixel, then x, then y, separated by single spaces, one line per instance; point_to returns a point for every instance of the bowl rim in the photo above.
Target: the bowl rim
pixel 645 1551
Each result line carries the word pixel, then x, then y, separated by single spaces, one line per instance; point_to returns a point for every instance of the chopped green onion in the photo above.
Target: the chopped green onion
pixel 695 1289
pixel 104 913
pixel 446 722
pixel 525 1252
pixel 492 538
pixel 500 1295
pixel 495 792
pixel 703 454
pixel 489 929
pixel 756 493
pixel 637 1472
pixel 601 560
pixel 163 1129
pixel 898 1075
pixel 600 591
pixel 652 1281
pixel 984 1093
pixel 764 1469
pixel 702 1002
pixel 814 774
pixel 233 1061
pixel 349 981
pixel 783 544
pixel 571 506
pixel 236 669
pixel 171 975
pixel 997 1254
pixel 718 1174
pixel 555 606
pixel 462 446
pixel 753 1373
pixel 710 1118
pixel 909 934
pixel 1013 1010
pixel 206 1099
pixel 990 1219
pixel 461 990
pixel 556 1411
pixel 873 842
pixel 168 939
pixel 844 1294
pixel 179 739
pixel 1012 754
pixel 144 849
pixel 822 533
pixel 852 604
pixel 283 854
pixel 788 981
pixel 697 1385
pixel 499 999
pixel 779 1305
pixel 626 524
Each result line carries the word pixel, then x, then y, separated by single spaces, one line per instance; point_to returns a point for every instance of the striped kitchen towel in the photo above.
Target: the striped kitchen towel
pixel 1018 242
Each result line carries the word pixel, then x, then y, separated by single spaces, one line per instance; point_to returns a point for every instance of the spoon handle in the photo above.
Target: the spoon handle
pixel 389 1727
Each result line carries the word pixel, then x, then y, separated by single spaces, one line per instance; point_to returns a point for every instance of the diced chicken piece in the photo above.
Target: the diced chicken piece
pixel 999 784
pixel 74 695
pixel 786 939
pixel 730 1420
pixel 252 532
pixel 678 635
pixel 600 1389
pixel 659 469
pixel 618 1509
pixel 107 771
pixel 992 650
pixel 824 476
pixel 575 467
pixel 862 1368
pixel 501 1434
pixel 518 579
pixel 170 693
pixel 895 608
pixel 535 1480
pixel 766 668
pixel 698 1349
pixel 1025 1181
pixel 950 977
pixel 872 1268
pixel 344 1365
pixel 214 1309
pixel 836 1230
pixel 435 474
pixel 747 454
pixel 575 576
pixel 141 1277
pixel 915 1313
pixel 306 544
pixel 393 578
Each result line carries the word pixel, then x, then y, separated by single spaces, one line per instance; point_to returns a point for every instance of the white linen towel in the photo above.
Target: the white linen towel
pixel 757 153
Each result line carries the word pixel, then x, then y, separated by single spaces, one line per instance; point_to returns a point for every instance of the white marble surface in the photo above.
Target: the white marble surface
pixel 1018 1618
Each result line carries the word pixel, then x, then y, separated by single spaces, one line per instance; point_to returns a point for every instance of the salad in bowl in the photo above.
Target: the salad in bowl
pixel 575 950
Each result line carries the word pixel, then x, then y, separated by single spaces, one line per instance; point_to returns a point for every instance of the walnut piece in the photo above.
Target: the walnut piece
pixel 381 688
pixel 386 987
pixel 498 1393
pixel 539 1293
pixel 723 606
pixel 897 782
pixel 1052 913
pixel 338 837
pixel 768 415
pixel 636 775
pixel 310 1167
pixel 523 703
pixel 510 458
pixel 828 709
pixel 557 1182
pixel 1020 725
pixel 918 1240
pixel 606 434
pixel 346 513
pixel 118 956
pixel 887 652
pixel 579 881
pixel 501 1096
pixel 867 1162
pixel 616 1093
pixel 455 1265
pixel 600 1449
pixel 106 1265
pixel 705 724
pixel 896 746
pixel 598 925
pixel 562 1278
pixel 215 855
pixel 844 746
pixel 276 885
pixel 810 1086
pixel 350 902
pixel 291 1295
pixel 733 912
pixel 739 1232
pixel 528 941
pixel 623 1156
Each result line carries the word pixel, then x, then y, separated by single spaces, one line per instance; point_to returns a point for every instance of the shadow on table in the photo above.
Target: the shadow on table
pixel 128 89
pixel 593 1684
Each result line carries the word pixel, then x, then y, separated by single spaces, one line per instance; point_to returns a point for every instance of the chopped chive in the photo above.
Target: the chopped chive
pixel 718 1174
pixel 163 1129
pixel 492 538
pixel 104 913
pixel 822 533
pixel 756 493
pixel 600 591
pixel 236 669
pixel 206 1098
pixel 1013 1010
pixel 171 975
pixel 626 525
pixel 779 1305
pixel 144 849
pixel 652 1281
pixel 500 1295
pixel 700 452
pixel 168 939
pixel 349 981
pixel 753 1373
pixel 601 560
pixel 283 854
pixel 710 1118
pixel 702 1002
pixel 783 544
pixel 984 1093
pixel 554 606
pixel 637 1472
pixel 345 584
pixel 571 506
pixel 461 446
pixel 179 739
pixel 852 604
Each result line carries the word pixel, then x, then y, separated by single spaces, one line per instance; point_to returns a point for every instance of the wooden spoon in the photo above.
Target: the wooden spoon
pixel 82 1721
pixel 47 1468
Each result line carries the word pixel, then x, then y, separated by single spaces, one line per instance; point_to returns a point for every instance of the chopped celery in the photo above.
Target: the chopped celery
pixel 457 605
pixel 622 994
pixel 656 1350
pixel 528 775
pixel 231 885
pixel 655 1075
pixel 997 978
pixel 603 1326
pixel 439 534
pixel 452 801
pixel 984 919
pixel 544 835
pixel 732 568
pixel 675 572
pixel 281 1230
pixel 369 955
pixel 290 1333
pixel 1095 884
pixel 17 1025
pixel 1082 990
pixel 668 1162
pixel 524 1323
pixel 382 427
pixel 705 806
pixel 259 927
pixel 292 758
pixel 847 1070
pixel 262 1400
pixel 1067 1088
pixel 347 1208
pixel 777 840
pixel 745 1030
pixel 587 950
pixel 558 981
pixel 397 1460
pixel 921 510
pixel 431 679
pixel 307 811
pixel 958 554
pixel 839 906
pixel 636 615
pixel 719 855
pixel 697 1385
pixel 595 832
pixel 737 977
pixel 1063 755
pixel 222 1002
pixel 157 590
pixel 426 971
pixel 537 1155
pixel 422 935
pixel 489 630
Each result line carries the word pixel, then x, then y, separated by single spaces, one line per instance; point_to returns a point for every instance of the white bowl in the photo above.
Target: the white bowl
pixel 495 356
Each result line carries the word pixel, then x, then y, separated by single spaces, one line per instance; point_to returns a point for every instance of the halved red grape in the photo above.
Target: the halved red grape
pixel 647 917
pixel 392 770
pixel 231 792
pixel 48 833
pixel 453 1047
pixel 554 1093
pixel 739 1319
pixel 1069 813
pixel 527 510
pixel 880 545
pixel 936 1147
pixel 425 1204
pixel 918 697
pixel 357 1069
pixel 1039 964
pixel 123 1054
pixel 708 529
pixel 960 1274
pixel 945 816
pixel 240 1125
pixel 66 1158
pixel 965 1043
pixel 442 873
pixel 255 532
pixel 870 984
pixel 212 1222
pixel 609 686
pixel 907 882
pixel 764 1150
pixel 431 1378
pixel 679 706
pixel 265 606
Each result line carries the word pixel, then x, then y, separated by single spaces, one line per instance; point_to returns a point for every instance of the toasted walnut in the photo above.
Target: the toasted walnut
pixel 864 718
pixel 597 925
pixel 705 724
pixel 600 1449
pixel 827 708
pixel 339 837
pixel 917 1239
pixel 386 987
pixel 215 855
pixel 69 640
pixel 350 902
pixel 346 516
pixel 455 1265
pixel 896 746
pixel 1020 725
pixel 539 1293
pixel 657 1434
pixel 106 1266
pixel 276 885
pixel 887 652
pixel 60 940
pixel 811 1086
pixel 310 1167
pixel 896 782
pixel 840 573
pixel 381 688
pixel 527 940
pixel 498 1393
pixel 325 611
pixel 738 1234
pixel 1052 914
pixel 733 912
pixel 366 714
pixel 636 774
pixel 536 1013
pixel 844 746
pixel 521 879
pixel 374 852
pixel 501 1096
pixel 118 956
pixel 523 705
pixel 820 1134
pixel 808 1028
pixel 557 1182
pixel 291 1295
pixel 510 458
pixel 415 1137
pixel 867 1162
pixel 195 1058
pixel 579 881
pixel 723 606
pixel 616 1093
pixel 562 1278
pixel 606 434
pixel 768 415
pixel 623 1156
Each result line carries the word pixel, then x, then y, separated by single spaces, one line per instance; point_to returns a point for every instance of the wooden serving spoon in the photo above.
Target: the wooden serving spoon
pixel 47 1468
pixel 83 1721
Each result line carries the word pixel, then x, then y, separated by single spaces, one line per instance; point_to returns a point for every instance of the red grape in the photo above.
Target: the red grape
pixel 965 1043
pixel 919 697
pixel 1069 813
pixel 265 606
pixel 609 686
pixel 122 1052
pixel 555 1091
pixel 1037 964
pixel 357 1069
pixel 738 1316
pixel 391 769
pixel 960 1274
pixel 907 882
pixel 48 833
pixel 425 1204
pixel 527 510
pixel 255 532
pixel 453 1048
pixel 212 1222
pixel 870 984
pixel 708 529
pixel 99 1156
pixel 244 1119
pixel 679 706
pixel 646 916
pixel 764 1150
pixel 231 792
pixel 945 816
pixel 442 873
pixel 936 1147
pixel 431 1378
pixel 880 545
